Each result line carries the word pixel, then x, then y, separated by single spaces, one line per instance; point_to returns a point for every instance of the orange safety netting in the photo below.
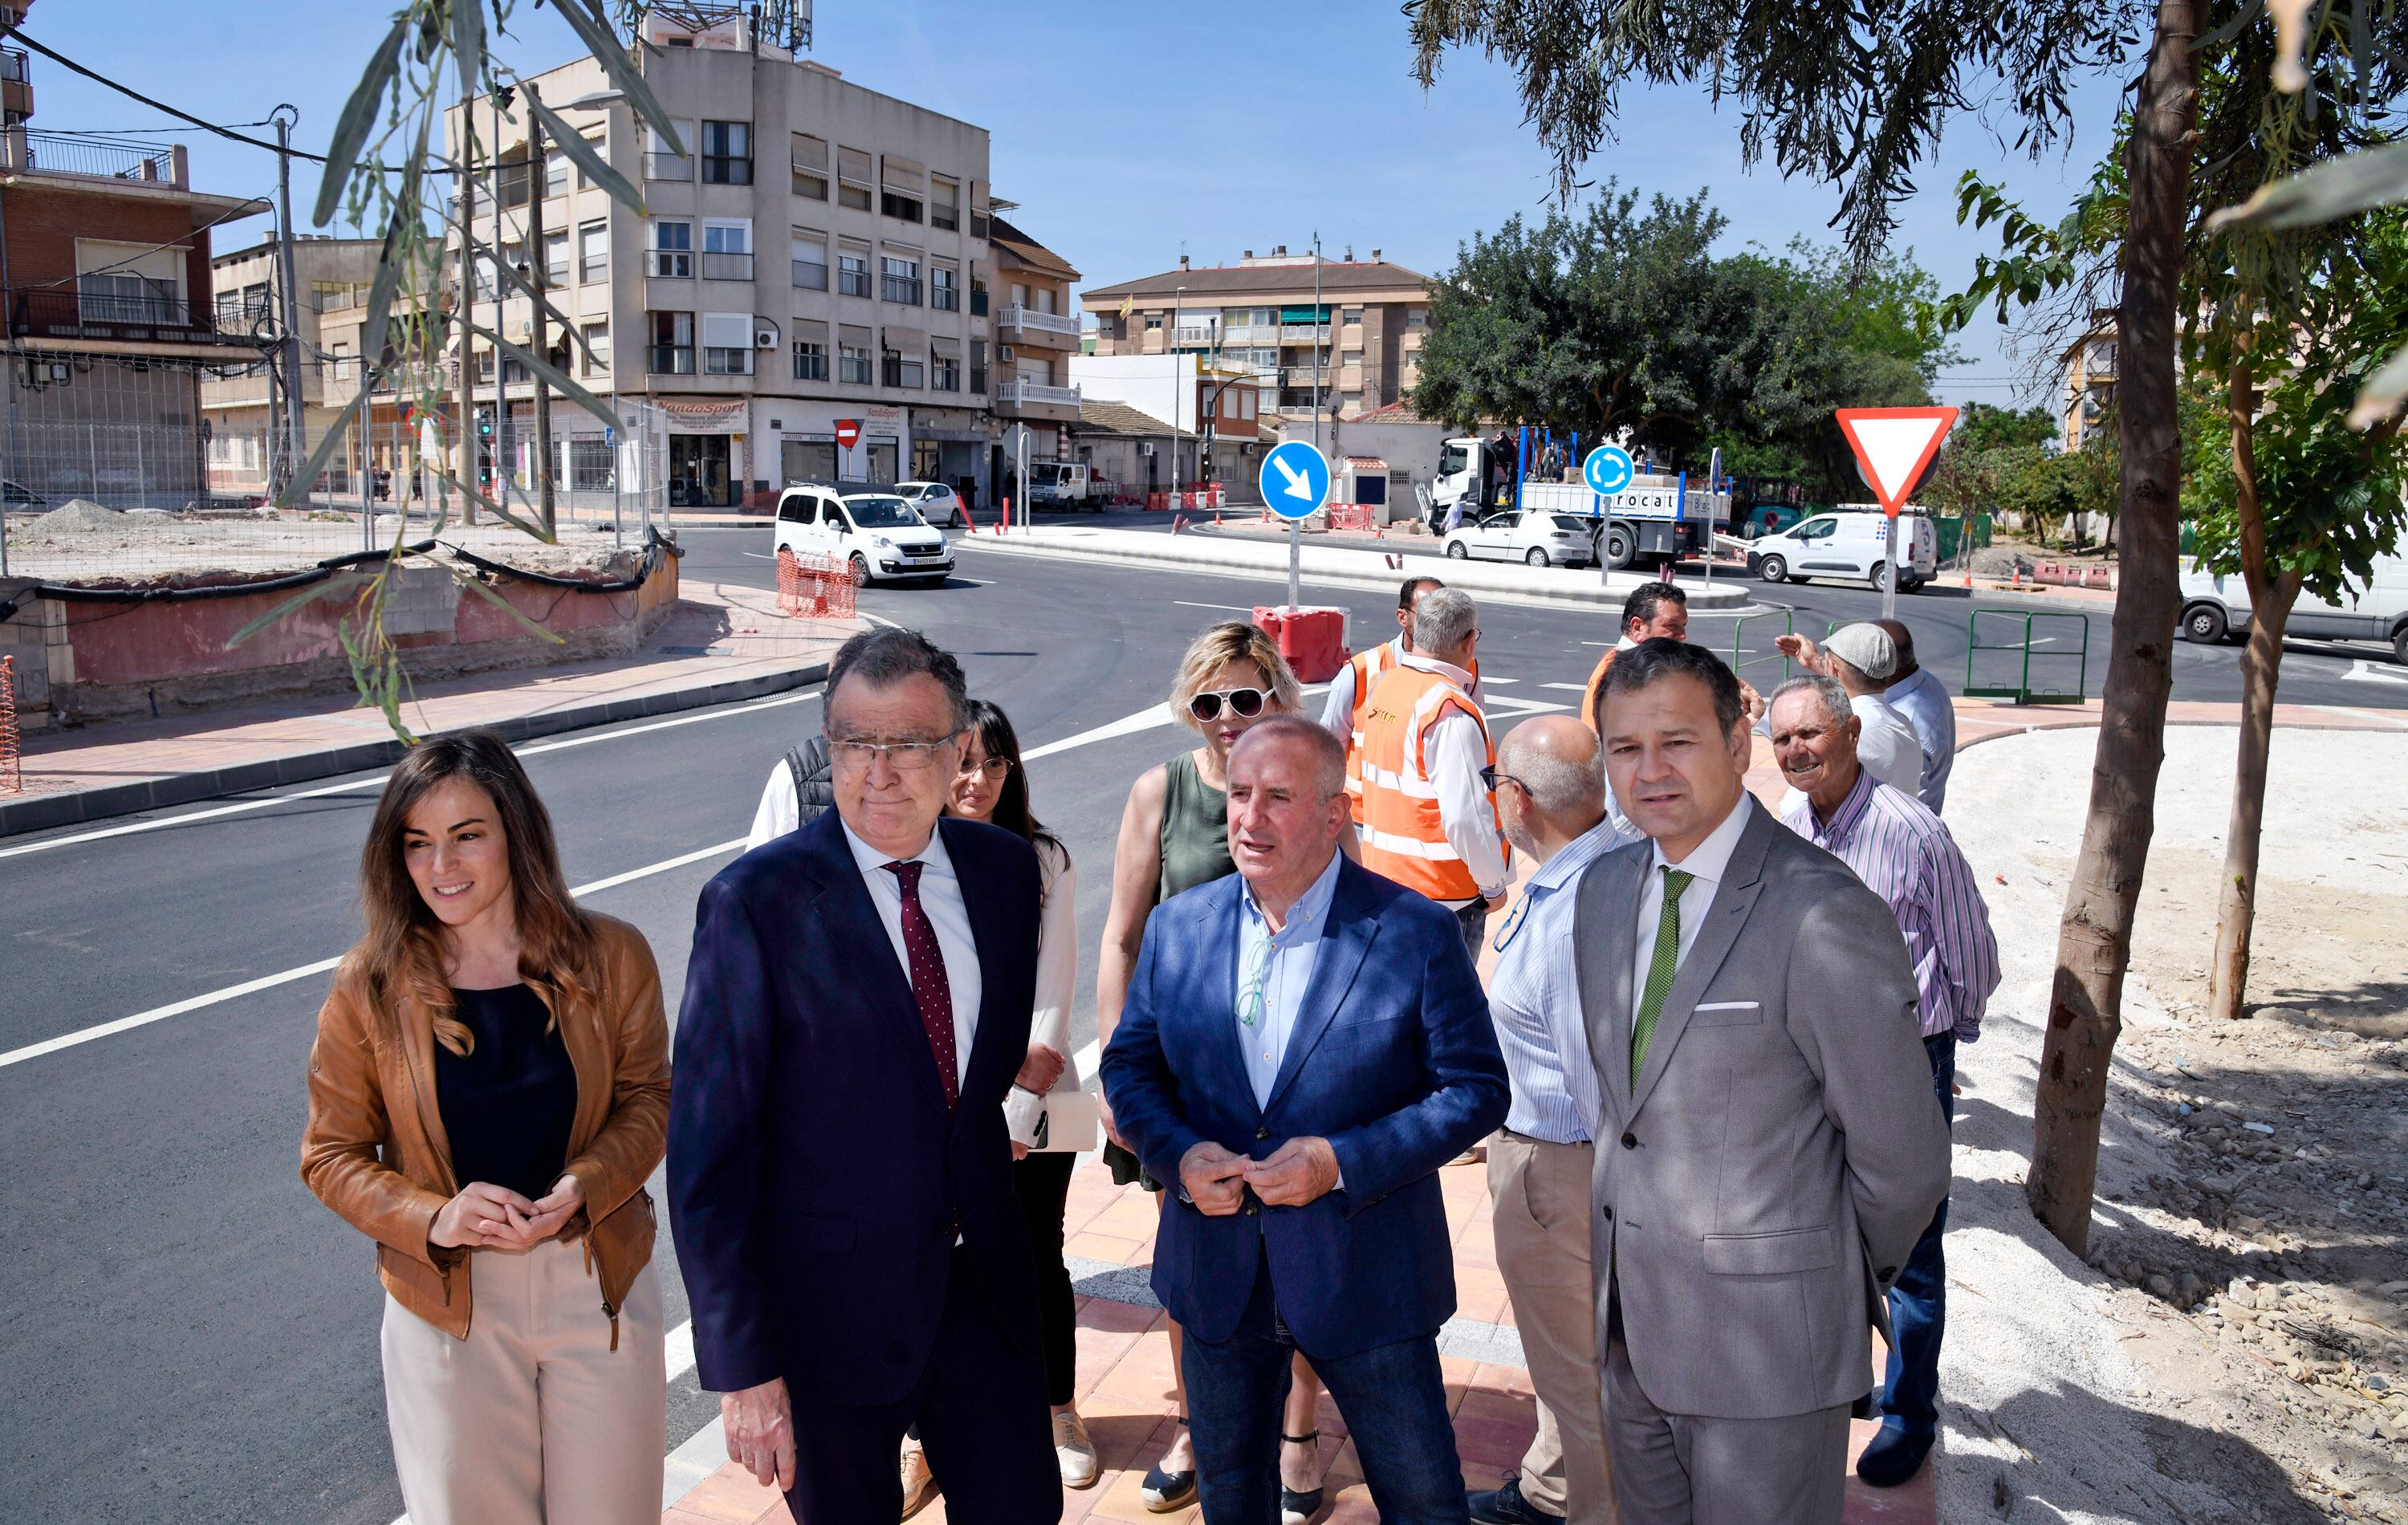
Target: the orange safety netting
pixel 814 587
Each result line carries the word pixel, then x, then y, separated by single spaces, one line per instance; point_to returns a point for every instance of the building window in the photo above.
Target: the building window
pixel 727 344
pixel 485 367
pixel 944 203
pixel 555 259
pixel 852 361
pixel 853 179
pixel 944 372
pixel 555 173
pixel 899 280
pixel 585 175
pixel 810 166
pixel 727 154
pixel 673 252
pixel 597 348
pixel 902 371
pixel 811 262
pixel 852 272
pixel 727 250
pixel 672 346
pixel 594 252
pixel 591 464
pixel 978 298
pixel 517 177
pixel 662 163
pixel 1417 317
pixel 901 205
pixel 944 293
pixel 811 360
pixel 1153 322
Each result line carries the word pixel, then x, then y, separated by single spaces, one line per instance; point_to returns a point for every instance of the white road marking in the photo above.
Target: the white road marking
pixel 1489 680
pixel 1237 609
pixel 2365 671
pixel 1574 688
pixel 692 718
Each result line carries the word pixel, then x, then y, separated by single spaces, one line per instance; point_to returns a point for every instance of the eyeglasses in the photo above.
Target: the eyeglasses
pixel 1245 703
pixel 1490 778
pixel 994 768
pixel 853 756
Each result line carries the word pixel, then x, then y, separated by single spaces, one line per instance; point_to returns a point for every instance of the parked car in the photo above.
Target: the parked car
pixel 880 535
pixel 2216 608
pixel 1063 485
pixel 1849 545
pixel 938 503
pixel 1536 536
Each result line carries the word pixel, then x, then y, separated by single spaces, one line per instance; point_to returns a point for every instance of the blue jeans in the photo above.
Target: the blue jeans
pixel 1919 1300
pixel 1473 921
pixel 1393 1396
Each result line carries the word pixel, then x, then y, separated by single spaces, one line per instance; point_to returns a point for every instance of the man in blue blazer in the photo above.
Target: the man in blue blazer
pixel 856 1005
pixel 1304 1043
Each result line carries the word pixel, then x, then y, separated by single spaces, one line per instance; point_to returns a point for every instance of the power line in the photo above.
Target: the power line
pixel 131 92
pixel 138 132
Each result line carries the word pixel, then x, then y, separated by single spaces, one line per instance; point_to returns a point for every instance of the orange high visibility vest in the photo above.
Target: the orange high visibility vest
pixel 1369 667
pixel 1595 683
pixel 1403 836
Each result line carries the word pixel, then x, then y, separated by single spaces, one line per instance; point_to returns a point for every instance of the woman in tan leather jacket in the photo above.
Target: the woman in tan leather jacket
pixel 488 1092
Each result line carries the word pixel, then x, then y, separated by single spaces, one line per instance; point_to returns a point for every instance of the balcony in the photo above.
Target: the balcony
pixel 720 265
pixel 13 62
pixel 1020 393
pixel 660 164
pixel 811 275
pixel 1020 325
pixel 903 290
pixel 1195 334
pixel 669 359
pixel 978 301
pixel 27 149
pixel 53 313
pixel 669 264
pixel 1304 333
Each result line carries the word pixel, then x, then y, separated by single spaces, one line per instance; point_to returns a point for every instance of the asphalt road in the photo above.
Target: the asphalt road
pixel 187 1333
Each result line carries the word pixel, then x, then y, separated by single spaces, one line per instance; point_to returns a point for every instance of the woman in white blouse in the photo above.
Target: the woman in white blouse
pixel 993 786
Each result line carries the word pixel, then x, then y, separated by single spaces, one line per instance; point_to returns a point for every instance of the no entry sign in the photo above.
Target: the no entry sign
pixel 848 432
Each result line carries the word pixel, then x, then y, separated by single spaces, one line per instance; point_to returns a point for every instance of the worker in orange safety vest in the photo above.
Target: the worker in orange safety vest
pixel 1350 692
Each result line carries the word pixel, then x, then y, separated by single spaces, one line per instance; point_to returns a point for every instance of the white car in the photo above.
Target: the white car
pixel 880 535
pixel 938 503
pixel 2216 607
pixel 1536 536
pixel 1853 546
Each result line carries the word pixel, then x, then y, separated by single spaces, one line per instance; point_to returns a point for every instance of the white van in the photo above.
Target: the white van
pixel 1849 543
pixel 880 534
pixel 2216 607
pixel 1062 484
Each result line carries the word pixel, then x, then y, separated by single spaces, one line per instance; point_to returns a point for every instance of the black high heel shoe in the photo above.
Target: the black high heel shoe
pixel 1163 1492
pixel 1297 1507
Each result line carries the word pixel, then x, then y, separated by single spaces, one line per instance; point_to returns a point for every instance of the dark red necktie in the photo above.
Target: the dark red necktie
pixel 929 986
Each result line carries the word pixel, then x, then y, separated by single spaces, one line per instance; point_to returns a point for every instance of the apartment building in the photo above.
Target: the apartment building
pixel 1262 316
pixel 733 366
pixel 1036 337
pixel 2090 384
pixel 331 278
pixel 111 330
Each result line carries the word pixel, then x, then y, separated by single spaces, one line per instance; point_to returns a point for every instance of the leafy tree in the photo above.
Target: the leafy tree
pixel 1857 95
pixel 1986 426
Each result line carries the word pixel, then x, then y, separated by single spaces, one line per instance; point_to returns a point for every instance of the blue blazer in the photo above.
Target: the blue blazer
pixel 815 1181
pixel 1393 1060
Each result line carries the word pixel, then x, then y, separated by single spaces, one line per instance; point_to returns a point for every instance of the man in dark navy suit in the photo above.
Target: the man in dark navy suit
pixel 856 1006
pixel 1304 1043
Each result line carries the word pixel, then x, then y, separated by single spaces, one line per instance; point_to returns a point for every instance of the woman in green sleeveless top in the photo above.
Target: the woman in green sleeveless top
pixel 1175 836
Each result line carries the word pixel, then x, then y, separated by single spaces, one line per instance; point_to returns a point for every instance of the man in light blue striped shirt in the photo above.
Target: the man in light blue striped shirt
pixel 1904 854
pixel 1550 788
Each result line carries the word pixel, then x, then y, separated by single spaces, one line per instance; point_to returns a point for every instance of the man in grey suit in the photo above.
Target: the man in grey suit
pixel 1769 1144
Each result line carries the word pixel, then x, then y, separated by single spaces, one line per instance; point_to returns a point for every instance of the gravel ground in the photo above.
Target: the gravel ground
pixel 2236 1347
pixel 83 543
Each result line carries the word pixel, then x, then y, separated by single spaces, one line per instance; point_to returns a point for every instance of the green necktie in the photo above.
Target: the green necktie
pixel 1661 965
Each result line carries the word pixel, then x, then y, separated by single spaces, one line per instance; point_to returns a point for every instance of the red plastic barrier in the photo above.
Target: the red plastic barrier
pixel 1314 640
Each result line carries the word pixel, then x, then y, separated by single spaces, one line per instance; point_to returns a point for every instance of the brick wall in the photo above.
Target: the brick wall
pixel 44 224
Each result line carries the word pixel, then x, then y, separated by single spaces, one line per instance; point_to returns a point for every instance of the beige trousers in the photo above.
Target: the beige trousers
pixel 1541 1215
pixel 532 1418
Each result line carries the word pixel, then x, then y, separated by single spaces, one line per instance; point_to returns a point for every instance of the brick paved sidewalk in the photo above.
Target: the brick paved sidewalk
pixel 720 642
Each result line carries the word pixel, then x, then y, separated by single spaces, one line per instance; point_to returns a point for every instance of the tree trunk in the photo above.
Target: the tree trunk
pixel 2273 592
pixel 2093 939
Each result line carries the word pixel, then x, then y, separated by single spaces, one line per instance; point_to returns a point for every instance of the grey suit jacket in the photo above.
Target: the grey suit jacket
pixel 1759 1187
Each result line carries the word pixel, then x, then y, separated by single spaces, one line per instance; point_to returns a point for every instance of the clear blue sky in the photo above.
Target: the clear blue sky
pixel 1127 133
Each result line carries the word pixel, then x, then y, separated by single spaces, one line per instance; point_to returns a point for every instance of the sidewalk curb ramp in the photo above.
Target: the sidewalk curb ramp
pixel 75 807
pixel 1342 567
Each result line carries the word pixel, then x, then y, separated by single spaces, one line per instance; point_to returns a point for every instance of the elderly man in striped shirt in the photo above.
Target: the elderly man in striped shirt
pixel 1904 855
pixel 1550 787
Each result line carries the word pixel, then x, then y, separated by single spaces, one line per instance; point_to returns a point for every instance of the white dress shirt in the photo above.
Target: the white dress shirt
pixel 1058 981
pixel 1887 744
pixel 1923 699
pixel 1456 752
pixel 940 897
pixel 1707 863
pixel 780 811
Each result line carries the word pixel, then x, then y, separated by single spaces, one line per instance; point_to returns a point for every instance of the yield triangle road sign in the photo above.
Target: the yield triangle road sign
pixel 1893 445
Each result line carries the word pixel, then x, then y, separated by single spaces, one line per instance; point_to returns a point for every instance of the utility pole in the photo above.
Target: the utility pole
pixel 1177 403
pixel 464 312
pixel 540 260
pixel 296 442
pixel 1295 526
pixel 501 100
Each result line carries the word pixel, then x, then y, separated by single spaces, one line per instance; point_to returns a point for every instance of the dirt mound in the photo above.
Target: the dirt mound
pixel 80 516
pixel 147 516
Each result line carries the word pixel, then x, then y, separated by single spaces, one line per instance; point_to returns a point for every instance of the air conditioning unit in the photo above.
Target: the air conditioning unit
pixel 1145 447
pixel 1003 351
pixel 764 334
pixel 523 330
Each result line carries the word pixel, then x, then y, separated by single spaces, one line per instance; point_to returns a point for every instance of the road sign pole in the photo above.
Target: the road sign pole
pixel 1294 560
pixel 1890 584
pixel 1714 484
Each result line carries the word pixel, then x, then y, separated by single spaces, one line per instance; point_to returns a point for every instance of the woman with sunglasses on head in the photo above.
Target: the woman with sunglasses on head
pixel 993 786
pixel 488 1091
pixel 1175 836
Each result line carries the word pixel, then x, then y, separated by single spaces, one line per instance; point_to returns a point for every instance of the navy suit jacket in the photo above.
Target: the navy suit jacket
pixel 1392 1060
pixel 816 1182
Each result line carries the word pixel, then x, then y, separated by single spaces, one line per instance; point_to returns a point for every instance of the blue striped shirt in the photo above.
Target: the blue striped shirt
pixel 1555 1092
pixel 1905 855
pixel 1923 699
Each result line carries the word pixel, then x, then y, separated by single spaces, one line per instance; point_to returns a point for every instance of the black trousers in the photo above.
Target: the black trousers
pixel 980 1410
pixel 1042 1181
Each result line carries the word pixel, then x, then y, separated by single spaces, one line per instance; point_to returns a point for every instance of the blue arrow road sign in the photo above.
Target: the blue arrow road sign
pixel 1295 479
pixel 1607 469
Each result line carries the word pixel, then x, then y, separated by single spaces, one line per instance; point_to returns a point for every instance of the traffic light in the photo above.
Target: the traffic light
pixel 484 424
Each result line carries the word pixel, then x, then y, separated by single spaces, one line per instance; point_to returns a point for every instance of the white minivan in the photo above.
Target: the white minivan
pixel 2376 609
pixel 878 534
pixel 1849 543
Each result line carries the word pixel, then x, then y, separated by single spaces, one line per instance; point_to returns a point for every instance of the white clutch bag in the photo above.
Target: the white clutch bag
pixel 1069 1122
